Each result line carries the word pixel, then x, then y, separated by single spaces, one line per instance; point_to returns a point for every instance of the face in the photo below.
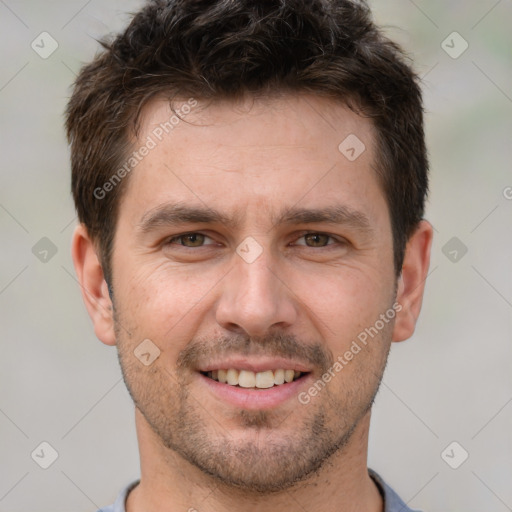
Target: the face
pixel 250 248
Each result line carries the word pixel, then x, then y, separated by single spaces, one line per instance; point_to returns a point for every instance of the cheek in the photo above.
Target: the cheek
pixel 345 301
pixel 161 303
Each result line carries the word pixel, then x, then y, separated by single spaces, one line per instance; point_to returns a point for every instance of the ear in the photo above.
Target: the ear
pixel 94 287
pixel 411 283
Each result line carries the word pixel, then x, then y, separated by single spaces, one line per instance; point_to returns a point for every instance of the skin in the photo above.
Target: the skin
pixel 305 298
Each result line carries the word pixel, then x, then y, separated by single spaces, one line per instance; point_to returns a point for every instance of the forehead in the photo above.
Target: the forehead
pixel 254 155
pixel 293 122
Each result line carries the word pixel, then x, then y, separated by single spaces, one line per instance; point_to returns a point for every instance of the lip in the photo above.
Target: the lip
pixel 255 399
pixel 262 364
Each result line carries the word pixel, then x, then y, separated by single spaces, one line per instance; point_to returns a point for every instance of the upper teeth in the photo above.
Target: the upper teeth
pixel 248 379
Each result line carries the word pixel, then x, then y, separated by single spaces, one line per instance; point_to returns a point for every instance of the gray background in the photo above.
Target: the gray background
pixel 450 382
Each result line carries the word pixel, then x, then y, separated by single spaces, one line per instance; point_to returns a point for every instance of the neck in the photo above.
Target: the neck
pixel 169 483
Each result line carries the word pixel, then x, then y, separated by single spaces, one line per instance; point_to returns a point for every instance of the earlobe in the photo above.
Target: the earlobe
pixel 93 285
pixel 411 284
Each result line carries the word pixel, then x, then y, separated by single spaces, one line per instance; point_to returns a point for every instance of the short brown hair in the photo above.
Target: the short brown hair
pixel 218 49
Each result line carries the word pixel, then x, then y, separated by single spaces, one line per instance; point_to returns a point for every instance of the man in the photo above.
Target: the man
pixel 250 180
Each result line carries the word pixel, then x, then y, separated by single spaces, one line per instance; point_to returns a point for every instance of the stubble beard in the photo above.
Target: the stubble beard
pixel 278 456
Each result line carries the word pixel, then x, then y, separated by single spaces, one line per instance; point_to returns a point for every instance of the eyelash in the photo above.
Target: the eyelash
pixel 339 241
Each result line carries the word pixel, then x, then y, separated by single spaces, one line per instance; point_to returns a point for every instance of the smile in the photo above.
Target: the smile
pixel 256 380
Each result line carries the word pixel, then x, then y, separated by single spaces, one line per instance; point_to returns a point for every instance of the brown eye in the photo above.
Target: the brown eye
pixel 316 239
pixel 189 240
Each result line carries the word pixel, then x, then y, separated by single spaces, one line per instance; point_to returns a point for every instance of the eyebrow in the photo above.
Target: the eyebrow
pixel 169 214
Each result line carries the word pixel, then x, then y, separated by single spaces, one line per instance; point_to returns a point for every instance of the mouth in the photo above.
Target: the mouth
pixel 247 379
pixel 261 384
pixel 255 383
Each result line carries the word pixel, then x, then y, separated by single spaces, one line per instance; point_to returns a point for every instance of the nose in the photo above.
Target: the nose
pixel 256 298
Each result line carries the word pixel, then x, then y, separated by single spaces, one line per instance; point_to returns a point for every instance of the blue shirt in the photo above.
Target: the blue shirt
pixel 392 502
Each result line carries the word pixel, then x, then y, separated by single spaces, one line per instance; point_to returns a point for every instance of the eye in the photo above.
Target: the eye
pixel 318 240
pixel 189 240
pixel 311 240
